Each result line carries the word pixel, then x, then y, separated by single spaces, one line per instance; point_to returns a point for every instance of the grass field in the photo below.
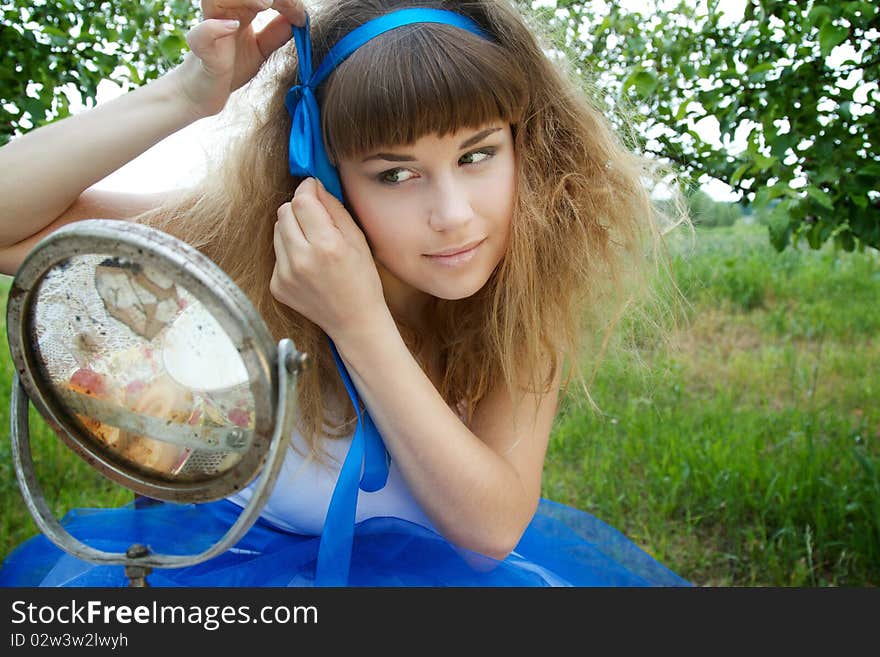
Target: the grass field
pixel 745 451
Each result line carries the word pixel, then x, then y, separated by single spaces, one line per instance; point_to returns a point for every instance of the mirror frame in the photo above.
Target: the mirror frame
pixel 205 281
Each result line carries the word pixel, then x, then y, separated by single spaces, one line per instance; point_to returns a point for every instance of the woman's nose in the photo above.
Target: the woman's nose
pixel 450 204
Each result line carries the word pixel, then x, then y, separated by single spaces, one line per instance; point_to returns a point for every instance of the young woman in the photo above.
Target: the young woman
pixel 443 203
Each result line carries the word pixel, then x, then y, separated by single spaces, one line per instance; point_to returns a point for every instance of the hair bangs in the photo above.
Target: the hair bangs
pixel 419 80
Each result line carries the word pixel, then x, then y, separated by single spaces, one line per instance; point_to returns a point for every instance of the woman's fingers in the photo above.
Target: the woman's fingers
pixel 338 214
pixel 243 10
pixel 319 272
pixel 316 223
pixel 293 10
pixel 288 229
pixel 282 259
pixel 203 36
pixel 254 47
pixel 291 256
pixel 273 36
pixel 205 77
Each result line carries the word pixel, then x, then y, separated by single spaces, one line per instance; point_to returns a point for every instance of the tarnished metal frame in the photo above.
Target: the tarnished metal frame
pixel 137 558
pixel 211 287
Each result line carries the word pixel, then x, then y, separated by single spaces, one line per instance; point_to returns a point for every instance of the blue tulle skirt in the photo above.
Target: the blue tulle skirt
pixel 561 547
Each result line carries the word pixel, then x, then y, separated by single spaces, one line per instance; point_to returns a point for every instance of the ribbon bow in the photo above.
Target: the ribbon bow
pixel 306 154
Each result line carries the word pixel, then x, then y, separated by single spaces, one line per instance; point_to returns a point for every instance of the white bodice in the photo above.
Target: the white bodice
pixel 302 493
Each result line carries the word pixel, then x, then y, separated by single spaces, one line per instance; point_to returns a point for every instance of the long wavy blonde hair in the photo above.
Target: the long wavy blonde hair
pixel 584 227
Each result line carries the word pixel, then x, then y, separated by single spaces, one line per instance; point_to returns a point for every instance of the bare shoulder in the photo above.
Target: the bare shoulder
pixel 91 204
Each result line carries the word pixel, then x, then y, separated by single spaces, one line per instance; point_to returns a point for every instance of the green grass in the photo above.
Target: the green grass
pixel 744 451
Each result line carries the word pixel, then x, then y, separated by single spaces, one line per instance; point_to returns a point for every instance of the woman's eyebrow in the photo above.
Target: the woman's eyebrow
pixel 398 157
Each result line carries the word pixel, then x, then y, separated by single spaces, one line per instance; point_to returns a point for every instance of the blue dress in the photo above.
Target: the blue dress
pixel 561 547
pixel 347 520
pixel 393 542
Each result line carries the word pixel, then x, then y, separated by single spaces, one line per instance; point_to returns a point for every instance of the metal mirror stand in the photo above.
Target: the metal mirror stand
pixel 138 560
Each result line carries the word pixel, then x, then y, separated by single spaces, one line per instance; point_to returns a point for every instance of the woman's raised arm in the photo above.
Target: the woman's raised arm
pixel 48 170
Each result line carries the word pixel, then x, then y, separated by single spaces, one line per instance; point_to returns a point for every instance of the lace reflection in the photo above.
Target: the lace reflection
pixel 148 373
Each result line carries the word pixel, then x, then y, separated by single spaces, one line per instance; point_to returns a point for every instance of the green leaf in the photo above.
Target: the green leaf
pixel 171 45
pixel 644 80
pixel 54 31
pixel 872 169
pixel 134 73
pixel 682 109
pixel 820 196
pixel 762 162
pixel 819 15
pixel 816 234
pixel 756 73
pixel 846 241
pixel 743 168
pixel 831 35
pixel 779 228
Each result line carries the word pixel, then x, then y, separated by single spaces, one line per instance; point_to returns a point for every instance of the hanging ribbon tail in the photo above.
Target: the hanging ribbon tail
pixel 334 550
pixel 376 458
pixel 367 453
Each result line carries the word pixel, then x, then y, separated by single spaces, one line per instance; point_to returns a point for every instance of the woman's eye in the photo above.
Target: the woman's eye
pixel 392 176
pixel 478 156
pixel 398 175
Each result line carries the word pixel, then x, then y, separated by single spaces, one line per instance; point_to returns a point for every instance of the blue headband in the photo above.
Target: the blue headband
pixel 308 156
pixel 366 464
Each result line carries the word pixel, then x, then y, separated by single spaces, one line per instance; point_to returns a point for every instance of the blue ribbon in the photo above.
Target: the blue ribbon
pixel 367 451
pixel 307 155
pixel 366 464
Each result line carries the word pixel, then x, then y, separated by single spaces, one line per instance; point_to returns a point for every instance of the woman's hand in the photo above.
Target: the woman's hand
pixel 324 268
pixel 226 52
pixel 253 48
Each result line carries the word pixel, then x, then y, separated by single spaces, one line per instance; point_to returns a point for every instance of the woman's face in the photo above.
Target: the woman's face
pixel 439 195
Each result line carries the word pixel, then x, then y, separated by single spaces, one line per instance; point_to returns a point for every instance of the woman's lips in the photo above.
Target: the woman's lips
pixel 456 259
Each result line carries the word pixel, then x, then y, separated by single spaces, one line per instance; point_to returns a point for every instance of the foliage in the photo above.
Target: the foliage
pixel 706 212
pixel 77 43
pixel 810 127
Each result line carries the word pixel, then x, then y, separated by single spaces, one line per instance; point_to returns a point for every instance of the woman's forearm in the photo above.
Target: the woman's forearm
pixel 472 495
pixel 46 170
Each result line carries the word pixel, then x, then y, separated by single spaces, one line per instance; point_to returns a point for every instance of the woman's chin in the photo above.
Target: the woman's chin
pixel 458 292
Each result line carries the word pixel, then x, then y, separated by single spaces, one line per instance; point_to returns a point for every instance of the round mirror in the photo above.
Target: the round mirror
pixel 146 359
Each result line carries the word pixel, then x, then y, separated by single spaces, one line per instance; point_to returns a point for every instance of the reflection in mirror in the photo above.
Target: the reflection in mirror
pixel 149 374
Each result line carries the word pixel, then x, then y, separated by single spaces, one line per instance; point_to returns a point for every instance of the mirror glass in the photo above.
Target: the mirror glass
pixel 142 367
